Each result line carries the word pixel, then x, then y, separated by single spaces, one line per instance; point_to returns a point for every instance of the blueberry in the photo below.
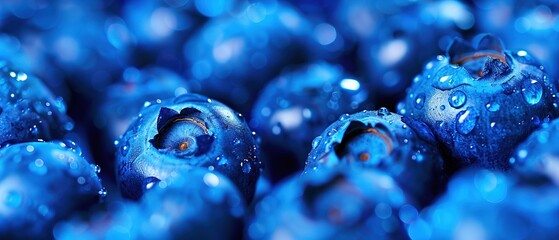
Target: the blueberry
pixel 537 156
pixel 401 147
pixel 232 57
pixel 394 52
pixel 296 107
pixel 527 25
pixel 336 204
pixel 481 101
pixel 29 111
pixel 484 204
pixel 41 183
pixel 200 204
pixel 182 133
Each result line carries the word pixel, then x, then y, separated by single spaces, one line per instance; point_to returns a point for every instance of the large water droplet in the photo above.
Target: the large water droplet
pixel 383 111
pixel 316 141
pixel 532 91
pixel 457 99
pixel 420 101
pixel 245 166
pixel 466 120
pixel 13 199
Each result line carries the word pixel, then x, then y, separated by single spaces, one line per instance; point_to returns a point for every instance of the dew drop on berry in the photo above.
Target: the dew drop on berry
pixel 420 101
pixel 466 120
pixel 532 91
pixel 492 107
pixel 150 182
pixel 245 166
pixel 383 112
pixel 125 148
pixel 316 141
pixel 457 99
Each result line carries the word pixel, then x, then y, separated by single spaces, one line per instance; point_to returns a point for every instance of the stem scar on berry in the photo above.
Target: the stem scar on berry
pixel 360 140
pixel 488 58
pixel 183 135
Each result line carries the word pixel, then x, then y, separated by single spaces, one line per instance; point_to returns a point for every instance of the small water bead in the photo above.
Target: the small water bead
pixel 124 149
pixel 442 107
pixel 420 101
pixel 493 107
pixel 383 111
pixel 150 182
pixel 245 166
pixel 532 91
pixel 343 117
pixel 81 180
pixel 457 99
pixel 96 168
pixel 103 192
pixel 21 76
pixel 466 120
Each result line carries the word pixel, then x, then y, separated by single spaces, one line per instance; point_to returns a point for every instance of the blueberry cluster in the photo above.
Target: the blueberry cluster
pixel 279 119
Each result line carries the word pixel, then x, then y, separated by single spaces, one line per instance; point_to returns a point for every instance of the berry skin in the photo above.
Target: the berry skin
pixel 28 110
pixel 538 156
pixel 183 133
pixel 484 204
pixel 231 58
pixel 332 204
pixel 481 101
pixel 382 140
pixel 295 107
pixel 191 206
pixel 41 183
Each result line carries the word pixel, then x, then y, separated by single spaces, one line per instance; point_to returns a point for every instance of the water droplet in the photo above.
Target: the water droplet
pixel 316 141
pixel 147 103
pixel 68 126
pixel 125 148
pixel 103 192
pixel 13 199
pixel 420 101
pixel 406 140
pixel 466 120
pixel 457 99
pixel 150 182
pixel 492 107
pixel 343 117
pixel 209 100
pixel 30 148
pixel 96 168
pixel 245 166
pixel 444 79
pixel 21 76
pixel 442 107
pixel 383 112
pixel 532 91
pixel 492 124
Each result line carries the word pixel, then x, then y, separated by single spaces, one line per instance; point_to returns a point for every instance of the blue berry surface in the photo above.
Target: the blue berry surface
pixel 296 107
pixel 350 204
pixel 484 204
pixel 28 110
pixel 232 58
pixel 183 133
pixel 170 210
pixel 481 101
pixel 382 140
pixel 41 183
pixel 538 156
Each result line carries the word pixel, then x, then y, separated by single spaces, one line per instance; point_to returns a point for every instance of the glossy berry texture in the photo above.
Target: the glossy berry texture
pixel 183 133
pixel 481 101
pixel 170 210
pixel 537 157
pixel 483 204
pixel 296 107
pixel 382 140
pixel 28 110
pixel 334 204
pixel 137 88
pixel 232 58
pixel 41 183
pixel 396 46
